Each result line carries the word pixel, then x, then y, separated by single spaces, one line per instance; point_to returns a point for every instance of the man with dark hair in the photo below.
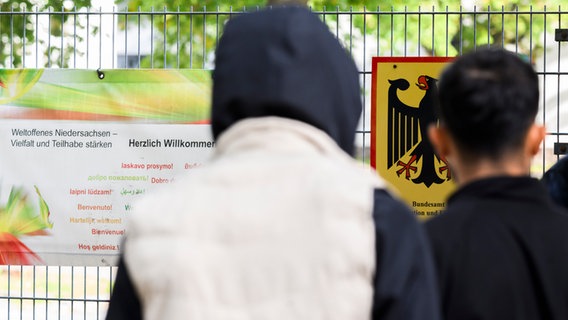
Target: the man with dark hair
pixel 501 246
pixel 282 223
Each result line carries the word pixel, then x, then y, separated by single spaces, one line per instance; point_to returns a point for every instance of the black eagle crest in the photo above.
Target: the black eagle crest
pixel 407 130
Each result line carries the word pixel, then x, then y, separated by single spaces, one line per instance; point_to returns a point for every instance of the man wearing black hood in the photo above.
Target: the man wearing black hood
pixel 282 223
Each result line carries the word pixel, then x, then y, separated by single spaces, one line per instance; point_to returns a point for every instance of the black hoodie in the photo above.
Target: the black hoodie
pixel 285 62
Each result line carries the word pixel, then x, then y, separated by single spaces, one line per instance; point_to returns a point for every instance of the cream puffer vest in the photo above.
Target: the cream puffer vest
pixel 278 225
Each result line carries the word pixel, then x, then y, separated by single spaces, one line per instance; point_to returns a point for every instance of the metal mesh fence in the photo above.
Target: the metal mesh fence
pixel 54 292
pixel 114 38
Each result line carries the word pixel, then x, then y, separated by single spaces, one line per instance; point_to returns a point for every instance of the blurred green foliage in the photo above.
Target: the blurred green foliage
pixel 17 25
pixel 187 31
pixel 439 28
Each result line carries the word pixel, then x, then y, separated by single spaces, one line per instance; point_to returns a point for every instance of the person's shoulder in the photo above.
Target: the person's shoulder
pixel 560 214
pixel 555 181
pixel 458 211
pixel 446 219
pixel 390 210
pixel 385 197
pixel 561 166
pixel 168 198
pixel 450 225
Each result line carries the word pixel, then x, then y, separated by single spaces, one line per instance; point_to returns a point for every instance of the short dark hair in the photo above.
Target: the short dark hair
pixel 488 101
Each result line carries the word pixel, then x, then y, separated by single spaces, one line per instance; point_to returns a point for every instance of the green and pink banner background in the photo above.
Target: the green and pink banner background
pixel 79 147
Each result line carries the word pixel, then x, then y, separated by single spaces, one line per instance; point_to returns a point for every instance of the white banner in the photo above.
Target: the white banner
pixel 67 186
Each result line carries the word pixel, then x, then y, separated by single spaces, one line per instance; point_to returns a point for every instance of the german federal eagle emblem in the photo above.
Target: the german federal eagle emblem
pixel 407 133
pixel 404 98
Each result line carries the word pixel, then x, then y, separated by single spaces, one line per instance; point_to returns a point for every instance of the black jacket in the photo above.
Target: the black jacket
pixel 501 252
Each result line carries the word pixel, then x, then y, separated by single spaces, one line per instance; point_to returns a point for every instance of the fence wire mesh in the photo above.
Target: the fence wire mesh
pixel 54 292
pixel 114 38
